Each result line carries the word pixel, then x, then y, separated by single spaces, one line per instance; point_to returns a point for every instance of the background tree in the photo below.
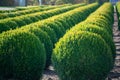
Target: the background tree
pixel 32 2
pixel 77 1
pixel 6 2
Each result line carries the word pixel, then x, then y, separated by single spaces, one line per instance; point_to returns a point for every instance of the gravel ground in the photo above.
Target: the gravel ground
pixel 50 74
pixel 115 73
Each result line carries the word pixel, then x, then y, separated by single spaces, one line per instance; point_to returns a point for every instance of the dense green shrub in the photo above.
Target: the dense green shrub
pixel 82 56
pixel 34 19
pixel 103 17
pixel 53 25
pixel 22 56
pixel 7 25
pixel 87 51
pixel 20 20
pixel 98 30
pixel 2 16
pixel 27 20
pixel 17 12
pixel 49 31
pixel 100 24
pixel 56 28
pixel 64 22
pixel 118 13
pixel 60 23
pixel 45 39
pixel 3 27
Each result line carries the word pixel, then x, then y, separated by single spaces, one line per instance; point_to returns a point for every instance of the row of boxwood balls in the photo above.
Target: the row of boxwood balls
pixel 24 51
pixel 87 51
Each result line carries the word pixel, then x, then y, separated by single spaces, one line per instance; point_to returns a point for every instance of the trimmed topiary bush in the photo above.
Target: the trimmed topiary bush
pixel 97 30
pixel 45 39
pixel 19 22
pixel 3 27
pixel 101 24
pixel 27 20
pixel 34 17
pixel 7 25
pixel 50 32
pixel 22 56
pixel 118 13
pixel 82 56
pixel 55 27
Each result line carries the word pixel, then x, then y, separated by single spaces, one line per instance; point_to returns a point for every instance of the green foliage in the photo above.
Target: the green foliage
pixel 3 27
pixel 22 56
pixel 81 55
pixel 32 2
pixel 45 39
pixel 51 27
pixel 23 20
pixel 97 30
pixel 6 2
pixel 27 20
pixel 56 28
pixel 2 16
pixel 49 31
pixel 59 2
pixel 19 21
pixel 99 23
pixel 103 17
pixel 7 25
pixel 28 10
pixel 60 23
pixel 118 13
pixel 86 49
pixel 99 1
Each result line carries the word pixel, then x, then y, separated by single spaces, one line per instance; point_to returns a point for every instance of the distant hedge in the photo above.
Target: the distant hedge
pixel 34 17
pixel 14 13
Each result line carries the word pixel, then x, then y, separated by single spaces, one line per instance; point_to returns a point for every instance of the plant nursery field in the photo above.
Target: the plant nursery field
pixel 64 42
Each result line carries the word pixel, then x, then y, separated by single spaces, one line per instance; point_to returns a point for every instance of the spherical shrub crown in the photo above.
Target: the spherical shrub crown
pixel 82 56
pixel 22 55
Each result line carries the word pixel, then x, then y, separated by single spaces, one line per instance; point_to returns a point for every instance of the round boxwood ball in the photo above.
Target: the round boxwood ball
pixel 82 56
pixel 22 56
pixel 100 31
pixel 45 39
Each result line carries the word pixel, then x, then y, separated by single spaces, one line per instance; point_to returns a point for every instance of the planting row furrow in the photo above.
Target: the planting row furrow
pixel 29 11
pixel 16 22
pixel 87 51
pixel 25 51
